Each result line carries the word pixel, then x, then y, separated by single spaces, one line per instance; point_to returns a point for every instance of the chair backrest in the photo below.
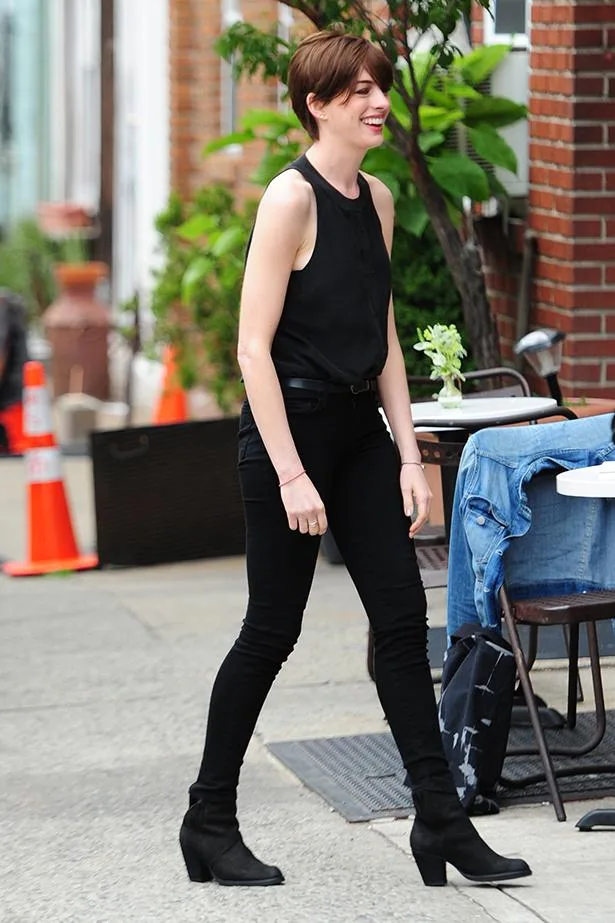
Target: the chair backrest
pixel 499 381
pixel 494 379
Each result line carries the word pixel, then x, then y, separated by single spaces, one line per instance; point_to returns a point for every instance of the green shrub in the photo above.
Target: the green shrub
pixel 423 292
pixel 196 293
pixel 27 258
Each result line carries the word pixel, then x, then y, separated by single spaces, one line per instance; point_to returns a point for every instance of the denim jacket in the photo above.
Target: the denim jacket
pixel 569 543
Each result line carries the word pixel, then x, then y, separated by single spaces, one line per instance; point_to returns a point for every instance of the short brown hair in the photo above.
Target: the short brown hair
pixel 328 65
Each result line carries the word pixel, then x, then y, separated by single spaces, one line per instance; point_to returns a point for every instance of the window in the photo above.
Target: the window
pixel 507 21
pixel 509 17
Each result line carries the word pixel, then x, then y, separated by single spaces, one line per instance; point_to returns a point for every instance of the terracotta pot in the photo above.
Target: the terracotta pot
pixel 76 325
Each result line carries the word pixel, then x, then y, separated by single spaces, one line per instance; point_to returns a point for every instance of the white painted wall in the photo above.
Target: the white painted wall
pixel 142 177
pixel 74 94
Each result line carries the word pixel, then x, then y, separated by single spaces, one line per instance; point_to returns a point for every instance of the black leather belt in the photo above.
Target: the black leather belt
pixel 331 387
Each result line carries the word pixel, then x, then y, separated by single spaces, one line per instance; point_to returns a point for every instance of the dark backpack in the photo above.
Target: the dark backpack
pixel 478 681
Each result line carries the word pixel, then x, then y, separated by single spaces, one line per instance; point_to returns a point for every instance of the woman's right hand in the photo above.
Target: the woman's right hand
pixel 304 508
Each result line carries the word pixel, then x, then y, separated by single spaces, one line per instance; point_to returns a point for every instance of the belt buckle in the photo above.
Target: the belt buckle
pixel 359 389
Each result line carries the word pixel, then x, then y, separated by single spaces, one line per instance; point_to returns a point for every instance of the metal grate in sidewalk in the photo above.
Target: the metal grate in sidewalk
pixel 362 777
pixel 433 564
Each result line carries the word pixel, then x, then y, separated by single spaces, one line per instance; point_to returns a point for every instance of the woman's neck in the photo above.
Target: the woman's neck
pixel 340 168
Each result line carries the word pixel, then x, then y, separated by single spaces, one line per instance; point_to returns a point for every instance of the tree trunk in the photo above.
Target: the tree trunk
pixel 464 262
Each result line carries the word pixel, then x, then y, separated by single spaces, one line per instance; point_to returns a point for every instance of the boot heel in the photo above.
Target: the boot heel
pixel 432 869
pixel 196 868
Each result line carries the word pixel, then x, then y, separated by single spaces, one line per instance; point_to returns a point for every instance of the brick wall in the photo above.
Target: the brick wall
pixel 196 94
pixel 571 206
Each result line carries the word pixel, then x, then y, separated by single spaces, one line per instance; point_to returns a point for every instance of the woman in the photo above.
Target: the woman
pixel 317 344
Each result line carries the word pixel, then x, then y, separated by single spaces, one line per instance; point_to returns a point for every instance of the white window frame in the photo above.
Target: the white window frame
pixel 517 40
pixel 286 20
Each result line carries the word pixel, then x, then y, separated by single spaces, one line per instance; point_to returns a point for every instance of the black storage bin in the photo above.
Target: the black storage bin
pixel 167 493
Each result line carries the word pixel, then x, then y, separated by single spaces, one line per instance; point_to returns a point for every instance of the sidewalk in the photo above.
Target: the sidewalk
pixel 104 679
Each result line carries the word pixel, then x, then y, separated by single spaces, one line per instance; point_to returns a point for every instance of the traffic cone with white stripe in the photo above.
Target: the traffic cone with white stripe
pixel 51 540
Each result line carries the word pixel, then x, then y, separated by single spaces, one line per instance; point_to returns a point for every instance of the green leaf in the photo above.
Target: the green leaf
pixel 460 176
pixel 496 187
pixel 412 216
pixel 489 145
pixel 440 98
pixel 273 163
pixel 386 159
pixel 258 118
pixel 430 139
pixel 493 110
pixel 392 182
pixel 462 91
pixel 481 62
pixel 436 118
pixel 422 64
pixel 228 241
pixel 195 273
pixel 399 109
pixel 237 137
pixel 196 227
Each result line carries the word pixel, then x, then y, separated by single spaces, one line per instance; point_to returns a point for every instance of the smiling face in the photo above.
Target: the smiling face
pixel 338 84
pixel 355 117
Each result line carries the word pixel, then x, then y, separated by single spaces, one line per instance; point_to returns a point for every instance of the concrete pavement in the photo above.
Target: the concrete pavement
pixel 104 679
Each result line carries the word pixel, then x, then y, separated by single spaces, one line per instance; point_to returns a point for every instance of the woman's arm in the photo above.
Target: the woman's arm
pixel 279 237
pixel 393 388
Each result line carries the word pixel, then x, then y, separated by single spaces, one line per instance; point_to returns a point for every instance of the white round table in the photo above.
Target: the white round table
pixel 597 481
pixel 476 413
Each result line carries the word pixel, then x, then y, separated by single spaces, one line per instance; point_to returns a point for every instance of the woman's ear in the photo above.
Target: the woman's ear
pixel 316 107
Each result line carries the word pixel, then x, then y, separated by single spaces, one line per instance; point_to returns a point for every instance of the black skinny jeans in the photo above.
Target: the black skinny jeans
pixel 348 453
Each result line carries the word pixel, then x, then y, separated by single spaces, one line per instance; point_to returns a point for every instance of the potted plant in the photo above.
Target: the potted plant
pixel 442 344
pixel 77 321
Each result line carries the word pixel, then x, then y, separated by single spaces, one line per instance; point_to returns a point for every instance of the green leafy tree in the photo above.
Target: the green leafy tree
pixel 435 98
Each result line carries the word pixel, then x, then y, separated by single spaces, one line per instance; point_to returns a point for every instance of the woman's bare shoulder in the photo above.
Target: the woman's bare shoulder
pixel 384 205
pixel 381 193
pixel 289 193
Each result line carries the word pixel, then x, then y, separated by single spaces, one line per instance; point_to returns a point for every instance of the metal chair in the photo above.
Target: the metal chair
pixel 495 378
pixel 569 611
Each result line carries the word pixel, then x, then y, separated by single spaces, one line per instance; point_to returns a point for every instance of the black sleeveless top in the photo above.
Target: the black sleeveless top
pixel 333 325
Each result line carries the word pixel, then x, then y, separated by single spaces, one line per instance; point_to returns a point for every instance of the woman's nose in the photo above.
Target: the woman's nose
pixel 381 100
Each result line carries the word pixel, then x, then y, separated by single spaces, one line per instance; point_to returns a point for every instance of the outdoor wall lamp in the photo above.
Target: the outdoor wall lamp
pixel 542 349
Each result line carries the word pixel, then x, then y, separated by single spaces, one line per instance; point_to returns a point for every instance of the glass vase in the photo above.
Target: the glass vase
pixel 450 395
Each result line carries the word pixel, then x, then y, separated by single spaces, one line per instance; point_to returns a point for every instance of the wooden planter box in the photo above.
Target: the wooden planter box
pixel 167 493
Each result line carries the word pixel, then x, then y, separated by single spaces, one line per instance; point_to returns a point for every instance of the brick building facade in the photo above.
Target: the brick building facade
pixel 571 197
pixel 201 87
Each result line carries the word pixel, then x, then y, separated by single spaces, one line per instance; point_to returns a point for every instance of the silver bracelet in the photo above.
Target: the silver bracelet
pixel 420 464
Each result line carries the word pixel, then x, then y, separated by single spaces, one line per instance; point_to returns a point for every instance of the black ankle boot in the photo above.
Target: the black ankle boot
pixel 213 849
pixel 442 832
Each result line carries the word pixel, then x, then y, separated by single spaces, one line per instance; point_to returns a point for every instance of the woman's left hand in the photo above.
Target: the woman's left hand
pixel 417 496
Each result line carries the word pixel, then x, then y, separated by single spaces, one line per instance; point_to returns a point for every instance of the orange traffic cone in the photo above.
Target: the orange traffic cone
pixel 172 404
pixel 52 545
